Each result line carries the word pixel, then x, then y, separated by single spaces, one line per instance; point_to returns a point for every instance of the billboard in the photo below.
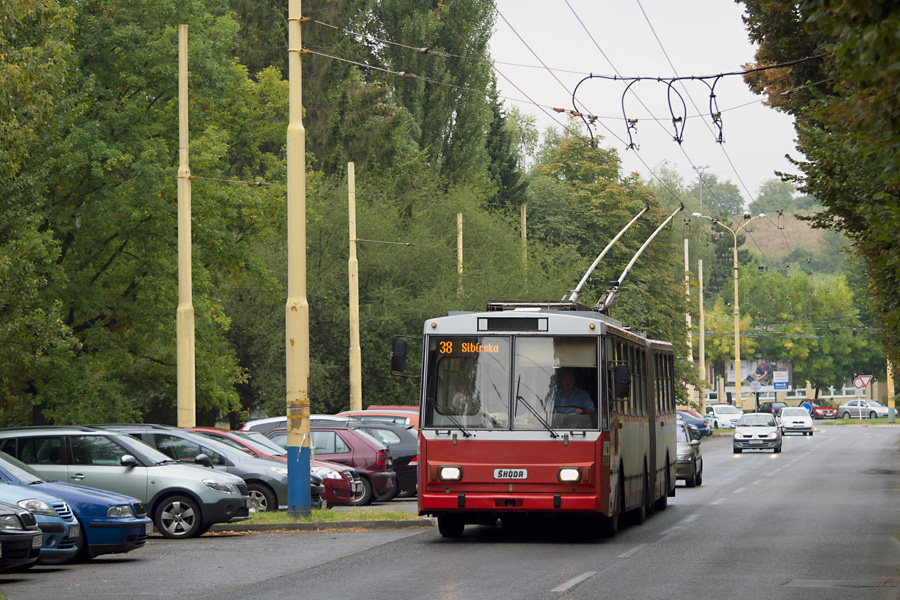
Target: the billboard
pixel 772 375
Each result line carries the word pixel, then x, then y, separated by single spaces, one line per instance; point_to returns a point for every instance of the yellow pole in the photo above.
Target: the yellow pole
pixel 890 392
pixel 184 315
pixel 297 307
pixel 702 330
pixel 353 268
pixel 687 315
pixel 459 254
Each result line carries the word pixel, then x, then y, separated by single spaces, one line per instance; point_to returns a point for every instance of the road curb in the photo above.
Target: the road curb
pixel 322 526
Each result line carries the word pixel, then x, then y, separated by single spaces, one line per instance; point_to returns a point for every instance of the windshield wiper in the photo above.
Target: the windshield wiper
pixel 534 412
pixel 454 421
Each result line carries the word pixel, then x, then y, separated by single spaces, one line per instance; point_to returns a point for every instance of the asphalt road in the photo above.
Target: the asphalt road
pixel 818 521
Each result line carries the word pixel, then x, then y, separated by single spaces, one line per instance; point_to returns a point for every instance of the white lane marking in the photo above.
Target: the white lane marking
pixel 719 501
pixel 633 551
pixel 573 582
pixel 685 521
pixel 738 491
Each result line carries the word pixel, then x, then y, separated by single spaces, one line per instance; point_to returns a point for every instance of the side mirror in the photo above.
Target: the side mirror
pixel 695 442
pixel 622 380
pixel 398 355
pixel 202 459
pixel 128 461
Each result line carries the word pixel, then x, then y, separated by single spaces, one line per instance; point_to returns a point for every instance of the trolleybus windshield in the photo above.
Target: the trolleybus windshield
pixel 512 382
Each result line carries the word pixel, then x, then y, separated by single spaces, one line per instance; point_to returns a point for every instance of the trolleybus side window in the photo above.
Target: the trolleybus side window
pixel 468 382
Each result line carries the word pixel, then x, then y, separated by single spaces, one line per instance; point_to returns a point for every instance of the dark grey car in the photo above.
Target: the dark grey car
pixel 690 461
pixel 266 478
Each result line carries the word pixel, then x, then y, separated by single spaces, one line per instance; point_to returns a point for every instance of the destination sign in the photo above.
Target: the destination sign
pixel 456 347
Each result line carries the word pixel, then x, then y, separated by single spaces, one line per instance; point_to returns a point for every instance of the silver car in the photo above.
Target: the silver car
pixel 690 462
pixel 184 500
pixel 757 431
pixel 866 409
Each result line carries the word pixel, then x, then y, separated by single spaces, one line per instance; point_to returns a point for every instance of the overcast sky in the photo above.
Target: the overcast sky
pixel 574 38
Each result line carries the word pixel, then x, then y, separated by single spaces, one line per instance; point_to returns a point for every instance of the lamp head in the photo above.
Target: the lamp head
pixel 696 215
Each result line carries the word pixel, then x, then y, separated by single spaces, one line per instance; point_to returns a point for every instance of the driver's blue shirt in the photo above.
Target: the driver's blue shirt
pixel 564 405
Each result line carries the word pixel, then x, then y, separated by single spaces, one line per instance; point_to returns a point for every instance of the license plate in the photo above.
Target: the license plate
pixel 510 473
pixel 74 530
pixel 148 529
pixel 756 441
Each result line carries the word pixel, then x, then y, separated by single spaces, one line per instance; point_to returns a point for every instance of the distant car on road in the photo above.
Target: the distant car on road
pixel 690 461
pixel 771 408
pixel 723 415
pixel 700 426
pixel 793 419
pixel 868 409
pixel 757 431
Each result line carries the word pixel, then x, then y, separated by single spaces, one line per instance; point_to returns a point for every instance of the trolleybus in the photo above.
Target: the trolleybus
pixel 538 409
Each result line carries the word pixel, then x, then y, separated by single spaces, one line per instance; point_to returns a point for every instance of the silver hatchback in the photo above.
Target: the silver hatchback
pixel 183 500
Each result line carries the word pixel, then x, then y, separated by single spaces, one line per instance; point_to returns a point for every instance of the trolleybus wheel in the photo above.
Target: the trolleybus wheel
pixel 640 513
pixel 451 526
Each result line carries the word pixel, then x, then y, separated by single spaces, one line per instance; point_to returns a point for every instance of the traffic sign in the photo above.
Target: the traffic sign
pixel 862 381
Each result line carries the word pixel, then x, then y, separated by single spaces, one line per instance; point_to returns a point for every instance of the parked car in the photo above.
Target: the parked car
pixel 110 523
pixel 264 426
pixel 771 408
pixel 184 500
pixel 690 461
pixel 60 530
pixel 700 426
pixel 868 409
pixel 266 479
pixel 822 410
pixel 757 431
pixel 357 449
pixel 20 537
pixel 401 416
pixel 342 483
pixel 723 416
pixel 793 419
pixel 401 440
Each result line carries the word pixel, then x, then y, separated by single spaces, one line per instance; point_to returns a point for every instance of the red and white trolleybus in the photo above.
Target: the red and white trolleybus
pixel 537 409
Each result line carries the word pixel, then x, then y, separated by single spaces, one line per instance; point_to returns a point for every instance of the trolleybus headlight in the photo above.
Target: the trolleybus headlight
pixel 569 474
pixel 450 473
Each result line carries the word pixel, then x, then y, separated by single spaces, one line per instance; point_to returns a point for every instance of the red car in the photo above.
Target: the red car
pixel 353 448
pixel 822 411
pixel 342 483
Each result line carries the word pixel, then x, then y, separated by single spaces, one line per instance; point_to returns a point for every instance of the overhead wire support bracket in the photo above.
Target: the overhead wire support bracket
pixel 602 305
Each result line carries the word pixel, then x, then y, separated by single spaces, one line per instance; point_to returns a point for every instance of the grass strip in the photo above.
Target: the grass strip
pixel 277 517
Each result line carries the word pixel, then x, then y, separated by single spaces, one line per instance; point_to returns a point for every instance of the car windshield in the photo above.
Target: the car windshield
pixel 794 412
pixel 262 442
pixel 757 420
pixel 728 410
pixel 22 472
pixel 680 434
pixel 875 404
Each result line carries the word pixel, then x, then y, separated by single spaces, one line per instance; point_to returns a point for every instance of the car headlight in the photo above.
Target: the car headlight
pixel 37 507
pixel 326 473
pixel 772 435
pixel 221 486
pixel 10 522
pixel 122 511
pixel 281 471
pixel 684 455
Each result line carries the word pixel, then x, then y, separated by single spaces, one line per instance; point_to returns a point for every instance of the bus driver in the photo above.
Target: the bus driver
pixel 571 400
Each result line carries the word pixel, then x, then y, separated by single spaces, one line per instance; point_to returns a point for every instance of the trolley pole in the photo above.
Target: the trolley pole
pixel 184 314
pixel 297 307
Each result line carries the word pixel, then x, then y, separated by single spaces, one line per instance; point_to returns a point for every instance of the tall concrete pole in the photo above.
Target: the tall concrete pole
pixel 687 315
pixel 297 307
pixel 459 254
pixel 353 269
pixel 184 315
pixel 702 329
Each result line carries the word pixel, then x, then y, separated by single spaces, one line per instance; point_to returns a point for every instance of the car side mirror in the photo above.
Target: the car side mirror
pixel 695 442
pixel 128 461
pixel 202 459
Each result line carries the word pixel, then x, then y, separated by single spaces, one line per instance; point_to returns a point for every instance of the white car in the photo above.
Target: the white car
pixel 757 431
pixel 794 419
pixel 723 415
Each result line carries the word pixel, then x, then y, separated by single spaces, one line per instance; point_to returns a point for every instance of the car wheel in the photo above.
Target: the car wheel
pixel 178 517
pixel 692 480
pixel 261 497
pixel 84 554
pixel 389 495
pixel 700 474
pixel 846 415
pixel 368 492
pixel 777 449
pixel 451 526
pixel 738 450
pixel 873 415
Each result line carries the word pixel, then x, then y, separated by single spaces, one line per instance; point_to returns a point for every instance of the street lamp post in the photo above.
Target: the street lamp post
pixel 737 312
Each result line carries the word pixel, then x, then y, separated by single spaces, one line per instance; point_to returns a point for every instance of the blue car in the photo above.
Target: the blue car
pixel 699 426
pixel 58 525
pixel 111 523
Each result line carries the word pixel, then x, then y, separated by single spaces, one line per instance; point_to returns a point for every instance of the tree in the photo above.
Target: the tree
pixel 774 195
